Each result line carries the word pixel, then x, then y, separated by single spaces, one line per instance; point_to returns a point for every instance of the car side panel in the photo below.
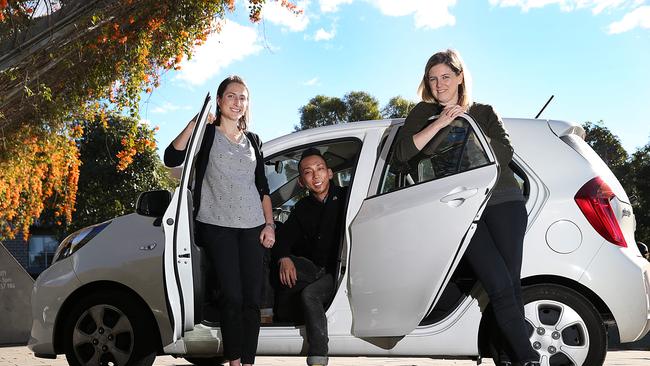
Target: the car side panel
pixel 130 252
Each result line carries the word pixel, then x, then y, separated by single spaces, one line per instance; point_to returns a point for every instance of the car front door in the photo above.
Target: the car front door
pixel 177 222
pixel 412 230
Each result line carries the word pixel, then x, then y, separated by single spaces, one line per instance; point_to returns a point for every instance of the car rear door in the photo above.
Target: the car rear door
pixel 412 230
pixel 177 222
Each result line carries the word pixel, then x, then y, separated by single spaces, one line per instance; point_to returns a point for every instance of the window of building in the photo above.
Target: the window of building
pixel 41 251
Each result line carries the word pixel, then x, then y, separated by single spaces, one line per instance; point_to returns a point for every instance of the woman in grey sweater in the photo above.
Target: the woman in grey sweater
pixel 234 219
pixel 495 251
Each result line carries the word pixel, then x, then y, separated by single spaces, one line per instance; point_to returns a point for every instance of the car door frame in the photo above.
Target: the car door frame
pixel 179 236
pixel 363 319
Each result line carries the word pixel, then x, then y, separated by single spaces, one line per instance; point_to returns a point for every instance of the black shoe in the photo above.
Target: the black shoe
pixel 532 363
pixel 505 363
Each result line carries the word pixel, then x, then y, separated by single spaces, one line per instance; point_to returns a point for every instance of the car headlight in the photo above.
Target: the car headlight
pixel 76 240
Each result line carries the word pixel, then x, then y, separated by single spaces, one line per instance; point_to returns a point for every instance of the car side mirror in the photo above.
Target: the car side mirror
pixel 153 203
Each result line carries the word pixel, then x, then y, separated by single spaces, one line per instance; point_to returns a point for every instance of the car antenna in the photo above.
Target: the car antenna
pixel 544 107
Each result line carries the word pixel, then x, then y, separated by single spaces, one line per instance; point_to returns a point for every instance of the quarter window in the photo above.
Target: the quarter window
pixel 453 150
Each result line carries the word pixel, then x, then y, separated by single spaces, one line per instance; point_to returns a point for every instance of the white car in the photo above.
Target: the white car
pixel 126 290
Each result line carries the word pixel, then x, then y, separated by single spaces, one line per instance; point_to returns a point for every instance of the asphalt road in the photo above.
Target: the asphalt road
pixel 21 356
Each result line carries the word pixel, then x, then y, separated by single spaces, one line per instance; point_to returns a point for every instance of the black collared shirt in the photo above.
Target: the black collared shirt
pixel 314 229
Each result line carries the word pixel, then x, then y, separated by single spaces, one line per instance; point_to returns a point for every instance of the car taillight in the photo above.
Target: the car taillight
pixel 594 202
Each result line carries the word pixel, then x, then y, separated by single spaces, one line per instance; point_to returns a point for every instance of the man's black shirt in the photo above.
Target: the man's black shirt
pixel 313 229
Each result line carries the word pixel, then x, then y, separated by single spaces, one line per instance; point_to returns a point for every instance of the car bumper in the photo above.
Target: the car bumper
pixel 622 280
pixel 50 290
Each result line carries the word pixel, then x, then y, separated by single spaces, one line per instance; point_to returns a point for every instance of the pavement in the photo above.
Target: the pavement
pixel 21 356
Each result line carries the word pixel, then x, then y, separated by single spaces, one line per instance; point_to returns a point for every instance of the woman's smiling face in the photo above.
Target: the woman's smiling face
pixel 444 83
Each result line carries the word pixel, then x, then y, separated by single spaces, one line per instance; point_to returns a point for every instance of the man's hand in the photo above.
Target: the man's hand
pixel 288 275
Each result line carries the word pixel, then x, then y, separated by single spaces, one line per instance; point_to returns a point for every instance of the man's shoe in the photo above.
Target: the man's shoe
pixel 505 363
pixel 532 363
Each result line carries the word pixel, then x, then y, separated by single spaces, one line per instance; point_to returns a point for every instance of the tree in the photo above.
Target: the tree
pixel 105 191
pixel 324 111
pixel 79 60
pixel 321 111
pixel 639 166
pixel 397 107
pixel 608 147
pixel 361 106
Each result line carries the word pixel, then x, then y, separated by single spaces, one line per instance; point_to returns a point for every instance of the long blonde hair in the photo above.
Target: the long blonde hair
pixel 452 59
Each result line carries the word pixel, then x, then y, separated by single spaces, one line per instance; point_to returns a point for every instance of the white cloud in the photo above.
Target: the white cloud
pixel 427 13
pixel 331 6
pixel 167 107
pixel 323 35
pixel 639 17
pixel 233 43
pixel 596 6
pixel 311 82
pixel 277 14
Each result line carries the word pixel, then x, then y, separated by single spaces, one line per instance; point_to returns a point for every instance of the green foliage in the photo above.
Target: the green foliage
pixel 355 106
pixel 322 111
pixel 397 107
pixel 104 191
pixel 361 106
pixel 608 147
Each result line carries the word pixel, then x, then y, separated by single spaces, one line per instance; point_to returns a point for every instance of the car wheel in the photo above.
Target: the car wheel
pixel 108 329
pixel 208 361
pixel 564 327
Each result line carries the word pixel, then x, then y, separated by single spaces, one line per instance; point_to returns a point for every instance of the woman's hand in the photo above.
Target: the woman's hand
pixel 267 236
pixel 211 118
pixel 448 115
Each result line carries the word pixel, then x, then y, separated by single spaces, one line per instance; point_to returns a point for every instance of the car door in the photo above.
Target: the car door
pixel 177 222
pixel 412 230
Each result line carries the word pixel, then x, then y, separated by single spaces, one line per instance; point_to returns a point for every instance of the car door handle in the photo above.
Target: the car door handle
pixel 458 195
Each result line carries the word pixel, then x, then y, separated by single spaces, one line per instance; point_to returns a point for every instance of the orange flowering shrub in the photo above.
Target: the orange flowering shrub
pixel 114 51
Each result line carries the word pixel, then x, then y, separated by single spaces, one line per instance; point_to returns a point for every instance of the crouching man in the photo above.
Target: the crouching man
pixel 306 254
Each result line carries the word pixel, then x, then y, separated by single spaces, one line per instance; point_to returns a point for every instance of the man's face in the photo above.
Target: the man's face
pixel 315 175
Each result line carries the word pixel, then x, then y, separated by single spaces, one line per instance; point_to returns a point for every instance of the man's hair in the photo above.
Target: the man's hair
pixel 310 152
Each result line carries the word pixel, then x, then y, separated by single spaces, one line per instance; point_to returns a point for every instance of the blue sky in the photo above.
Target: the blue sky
pixel 593 55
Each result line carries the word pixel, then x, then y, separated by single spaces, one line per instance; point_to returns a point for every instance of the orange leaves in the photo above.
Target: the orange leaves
pixel 40 172
pixel 3 4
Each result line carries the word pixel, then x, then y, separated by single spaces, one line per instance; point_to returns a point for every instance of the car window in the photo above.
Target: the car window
pixel 453 150
pixel 282 172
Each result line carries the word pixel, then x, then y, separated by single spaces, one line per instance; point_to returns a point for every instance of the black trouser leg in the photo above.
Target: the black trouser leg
pixel 237 258
pixel 251 258
pixel 495 256
pixel 313 299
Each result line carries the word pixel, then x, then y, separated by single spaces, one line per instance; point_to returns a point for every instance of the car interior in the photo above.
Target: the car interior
pixel 282 174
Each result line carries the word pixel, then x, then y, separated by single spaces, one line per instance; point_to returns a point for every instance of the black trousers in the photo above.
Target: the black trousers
pixel 495 254
pixel 306 301
pixel 237 258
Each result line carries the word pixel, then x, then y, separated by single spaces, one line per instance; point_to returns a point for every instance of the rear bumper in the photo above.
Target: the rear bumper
pixel 622 280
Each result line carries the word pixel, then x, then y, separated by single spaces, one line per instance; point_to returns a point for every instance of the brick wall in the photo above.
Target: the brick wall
pixel 19 249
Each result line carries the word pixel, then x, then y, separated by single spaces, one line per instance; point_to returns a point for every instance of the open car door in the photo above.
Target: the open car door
pixel 411 232
pixel 177 222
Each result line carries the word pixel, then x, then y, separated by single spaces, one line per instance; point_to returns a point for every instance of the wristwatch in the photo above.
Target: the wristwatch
pixel 271 224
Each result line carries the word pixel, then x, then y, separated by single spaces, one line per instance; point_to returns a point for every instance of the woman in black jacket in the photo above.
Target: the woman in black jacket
pixel 495 251
pixel 233 214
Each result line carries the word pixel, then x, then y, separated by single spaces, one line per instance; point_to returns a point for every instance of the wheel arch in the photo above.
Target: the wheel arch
pixel 99 286
pixel 592 297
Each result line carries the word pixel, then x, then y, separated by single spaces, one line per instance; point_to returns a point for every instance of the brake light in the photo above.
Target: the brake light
pixel 594 202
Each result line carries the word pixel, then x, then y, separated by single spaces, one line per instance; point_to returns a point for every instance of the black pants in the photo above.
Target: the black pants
pixel 495 254
pixel 313 289
pixel 237 258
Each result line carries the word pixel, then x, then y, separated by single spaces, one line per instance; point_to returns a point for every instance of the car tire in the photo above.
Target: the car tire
pixel 108 328
pixel 208 361
pixel 564 327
